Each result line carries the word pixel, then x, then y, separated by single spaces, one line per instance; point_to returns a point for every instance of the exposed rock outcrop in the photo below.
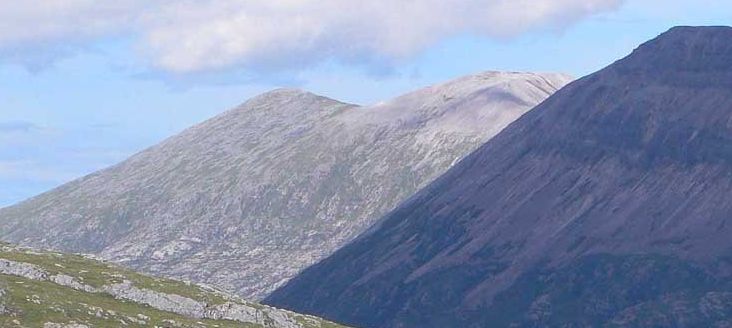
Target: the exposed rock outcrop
pixel 162 301
pixel 25 270
pixel 64 325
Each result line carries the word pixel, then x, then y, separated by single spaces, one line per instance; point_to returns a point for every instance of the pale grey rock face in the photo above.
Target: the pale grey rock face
pixel 25 270
pixel 3 308
pixel 247 199
pixel 31 271
pixel 264 315
pixel 61 325
pixel 69 281
pixel 232 311
pixel 161 301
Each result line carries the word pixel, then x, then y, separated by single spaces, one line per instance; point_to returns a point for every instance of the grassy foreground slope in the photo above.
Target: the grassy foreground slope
pixel 55 290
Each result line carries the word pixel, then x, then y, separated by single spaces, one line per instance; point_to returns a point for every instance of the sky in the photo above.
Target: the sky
pixel 84 83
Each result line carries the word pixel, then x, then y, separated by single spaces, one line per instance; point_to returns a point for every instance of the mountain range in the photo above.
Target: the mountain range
pixel 605 206
pixel 247 199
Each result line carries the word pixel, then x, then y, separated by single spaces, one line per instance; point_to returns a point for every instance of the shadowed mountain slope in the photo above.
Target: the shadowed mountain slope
pixel 606 205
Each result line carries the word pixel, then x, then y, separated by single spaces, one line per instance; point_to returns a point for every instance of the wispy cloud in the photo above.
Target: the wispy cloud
pixel 203 35
pixel 18 127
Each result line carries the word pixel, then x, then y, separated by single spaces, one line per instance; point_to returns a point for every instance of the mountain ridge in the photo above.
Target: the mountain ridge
pixel 248 198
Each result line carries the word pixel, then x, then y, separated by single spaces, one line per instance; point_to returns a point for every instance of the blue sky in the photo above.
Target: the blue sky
pixel 99 83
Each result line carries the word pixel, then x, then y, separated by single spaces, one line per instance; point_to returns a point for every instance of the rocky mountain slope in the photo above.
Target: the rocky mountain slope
pixel 249 198
pixel 605 206
pixel 54 290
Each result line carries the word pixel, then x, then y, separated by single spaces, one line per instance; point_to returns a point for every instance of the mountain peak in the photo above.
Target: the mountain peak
pixel 287 92
pixel 288 102
pixel 697 32
pixel 281 94
pixel 487 79
pixel 685 48
pixel 698 29
pixel 285 95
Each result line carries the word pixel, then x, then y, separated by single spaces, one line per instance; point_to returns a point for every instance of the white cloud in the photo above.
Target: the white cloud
pixel 196 35
pixel 25 22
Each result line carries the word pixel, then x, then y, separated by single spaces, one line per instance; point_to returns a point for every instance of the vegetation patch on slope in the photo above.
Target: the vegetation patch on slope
pixel 47 289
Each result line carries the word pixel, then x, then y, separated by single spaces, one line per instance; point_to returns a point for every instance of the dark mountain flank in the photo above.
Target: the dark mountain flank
pixel 607 205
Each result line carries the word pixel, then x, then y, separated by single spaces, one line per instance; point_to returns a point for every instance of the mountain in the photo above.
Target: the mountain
pixel 608 205
pixel 247 199
pixel 55 290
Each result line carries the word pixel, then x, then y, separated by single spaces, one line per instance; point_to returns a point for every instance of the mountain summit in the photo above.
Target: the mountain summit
pixel 247 199
pixel 684 48
pixel 606 205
